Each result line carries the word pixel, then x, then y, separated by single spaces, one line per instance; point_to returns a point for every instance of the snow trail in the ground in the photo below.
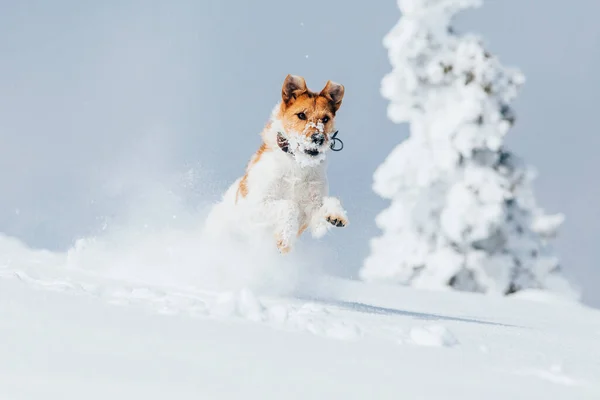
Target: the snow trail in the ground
pixel 71 334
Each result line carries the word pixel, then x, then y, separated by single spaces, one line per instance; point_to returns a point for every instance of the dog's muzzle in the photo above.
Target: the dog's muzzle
pixel 318 138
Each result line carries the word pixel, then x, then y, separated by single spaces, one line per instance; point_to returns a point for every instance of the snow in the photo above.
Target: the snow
pixel 157 306
pixel 462 213
pixel 69 333
pixel 432 335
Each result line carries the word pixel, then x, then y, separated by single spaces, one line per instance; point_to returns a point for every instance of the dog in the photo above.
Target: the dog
pixel 284 188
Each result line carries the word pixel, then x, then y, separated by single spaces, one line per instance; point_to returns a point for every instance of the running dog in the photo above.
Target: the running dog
pixel 285 185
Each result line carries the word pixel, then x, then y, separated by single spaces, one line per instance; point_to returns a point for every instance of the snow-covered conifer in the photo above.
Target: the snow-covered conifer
pixel 462 212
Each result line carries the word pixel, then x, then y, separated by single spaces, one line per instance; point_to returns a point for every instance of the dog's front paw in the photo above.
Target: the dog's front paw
pixel 334 212
pixel 330 213
pixel 337 220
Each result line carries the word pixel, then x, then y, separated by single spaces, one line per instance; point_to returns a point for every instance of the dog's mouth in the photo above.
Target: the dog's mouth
pixel 304 149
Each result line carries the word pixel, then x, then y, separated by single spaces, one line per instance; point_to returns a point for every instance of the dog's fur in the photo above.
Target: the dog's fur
pixel 285 185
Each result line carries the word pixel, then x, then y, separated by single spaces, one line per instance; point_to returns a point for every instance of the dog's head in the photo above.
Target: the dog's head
pixel 308 118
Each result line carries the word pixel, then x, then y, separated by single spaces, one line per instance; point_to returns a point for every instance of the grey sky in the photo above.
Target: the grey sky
pixel 96 97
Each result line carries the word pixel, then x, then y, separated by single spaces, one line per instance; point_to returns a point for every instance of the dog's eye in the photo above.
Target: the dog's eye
pixel 325 119
pixel 302 116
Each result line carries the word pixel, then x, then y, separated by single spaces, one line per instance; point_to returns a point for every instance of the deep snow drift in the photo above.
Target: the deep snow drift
pixel 73 333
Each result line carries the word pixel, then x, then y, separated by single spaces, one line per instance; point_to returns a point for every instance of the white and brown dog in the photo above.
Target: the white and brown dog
pixel 285 187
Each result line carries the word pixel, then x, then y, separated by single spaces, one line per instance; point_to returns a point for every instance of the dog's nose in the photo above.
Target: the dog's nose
pixel 318 138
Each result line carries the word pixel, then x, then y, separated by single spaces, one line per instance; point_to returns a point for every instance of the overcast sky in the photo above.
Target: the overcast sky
pixel 96 97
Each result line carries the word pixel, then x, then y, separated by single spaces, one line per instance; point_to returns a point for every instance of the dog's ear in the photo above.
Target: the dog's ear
pixel 334 92
pixel 293 86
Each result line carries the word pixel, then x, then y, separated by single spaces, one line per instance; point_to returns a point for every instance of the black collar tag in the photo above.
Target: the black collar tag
pixel 334 140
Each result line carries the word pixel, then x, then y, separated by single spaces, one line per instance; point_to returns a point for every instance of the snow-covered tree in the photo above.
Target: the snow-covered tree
pixel 462 211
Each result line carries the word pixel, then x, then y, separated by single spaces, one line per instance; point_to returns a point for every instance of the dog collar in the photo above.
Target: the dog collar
pixel 284 144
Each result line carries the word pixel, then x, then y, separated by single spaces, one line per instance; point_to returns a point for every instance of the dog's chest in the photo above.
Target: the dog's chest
pixel 287 180
pixel 298 183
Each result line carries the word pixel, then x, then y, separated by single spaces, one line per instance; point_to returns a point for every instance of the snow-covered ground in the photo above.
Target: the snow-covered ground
pixel 69 333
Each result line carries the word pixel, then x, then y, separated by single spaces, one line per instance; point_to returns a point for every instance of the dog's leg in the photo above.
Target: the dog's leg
pixel 331 213
pixel 285 214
